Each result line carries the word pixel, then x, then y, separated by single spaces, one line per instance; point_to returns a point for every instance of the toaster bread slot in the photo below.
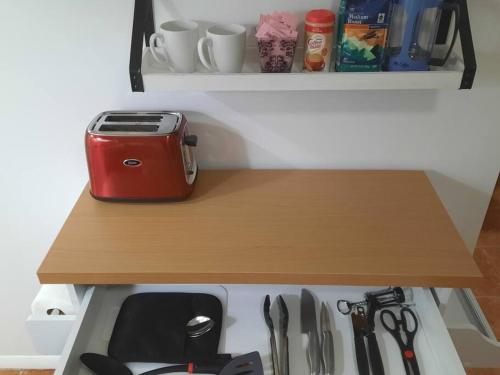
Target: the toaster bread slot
pixel 131 123
pixel 129 128
pixel 132 118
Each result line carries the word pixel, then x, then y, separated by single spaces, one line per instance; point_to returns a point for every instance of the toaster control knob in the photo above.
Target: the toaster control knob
pixel 191 140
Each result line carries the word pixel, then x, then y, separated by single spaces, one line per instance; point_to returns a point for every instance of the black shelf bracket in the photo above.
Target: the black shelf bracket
pixel 142 29
pixel 470 65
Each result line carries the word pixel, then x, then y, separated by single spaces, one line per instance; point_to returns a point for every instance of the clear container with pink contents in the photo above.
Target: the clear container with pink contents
pixel 277 40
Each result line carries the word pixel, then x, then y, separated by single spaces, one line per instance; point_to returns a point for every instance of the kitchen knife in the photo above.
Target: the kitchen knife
pixel 326 341
pixel 309 327
pixel 374 354
pixel 358 323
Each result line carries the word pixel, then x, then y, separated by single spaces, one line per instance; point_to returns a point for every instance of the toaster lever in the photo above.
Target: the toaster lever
pixel 191 140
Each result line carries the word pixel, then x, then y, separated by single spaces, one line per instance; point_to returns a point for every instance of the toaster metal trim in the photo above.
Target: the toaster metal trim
pixel 129 123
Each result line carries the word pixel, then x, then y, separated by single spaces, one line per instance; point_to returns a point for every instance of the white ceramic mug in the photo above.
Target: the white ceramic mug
pixel 175 45
pixel 226 48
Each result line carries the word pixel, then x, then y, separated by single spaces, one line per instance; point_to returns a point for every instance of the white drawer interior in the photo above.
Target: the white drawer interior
pixel 49 333
pixel 244 329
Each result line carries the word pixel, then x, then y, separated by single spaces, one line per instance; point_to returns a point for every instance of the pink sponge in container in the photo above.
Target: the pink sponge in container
pixel 277 40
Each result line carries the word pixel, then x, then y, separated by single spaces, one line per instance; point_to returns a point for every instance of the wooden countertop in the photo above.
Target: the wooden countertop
pixel 272 227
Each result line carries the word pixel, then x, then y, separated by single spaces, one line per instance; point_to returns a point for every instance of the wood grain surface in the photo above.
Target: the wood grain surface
pixel 26 372
pixel 272 227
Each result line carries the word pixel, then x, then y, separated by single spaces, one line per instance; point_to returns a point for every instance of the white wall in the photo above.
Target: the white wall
pixel 62 62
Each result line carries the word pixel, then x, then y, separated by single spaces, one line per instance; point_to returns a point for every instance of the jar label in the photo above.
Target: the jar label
pixel 316 43
pixel 318 50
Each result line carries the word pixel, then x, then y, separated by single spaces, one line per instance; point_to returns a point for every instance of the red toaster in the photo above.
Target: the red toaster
pixel 140 156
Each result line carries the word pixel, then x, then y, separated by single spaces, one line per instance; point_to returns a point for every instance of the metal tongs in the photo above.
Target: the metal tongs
pixel 279 368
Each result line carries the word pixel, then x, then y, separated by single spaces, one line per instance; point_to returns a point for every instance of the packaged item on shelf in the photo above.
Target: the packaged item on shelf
pixel 318 40
pixel 412 34
pixel 362 35
pixel 277 40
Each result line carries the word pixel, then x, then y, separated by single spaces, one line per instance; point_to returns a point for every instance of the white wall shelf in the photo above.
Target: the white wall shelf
pixel 158 78
pixel 147 75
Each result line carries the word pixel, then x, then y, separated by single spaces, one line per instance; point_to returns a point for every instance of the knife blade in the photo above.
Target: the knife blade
pixel 309 327
pixel 327 350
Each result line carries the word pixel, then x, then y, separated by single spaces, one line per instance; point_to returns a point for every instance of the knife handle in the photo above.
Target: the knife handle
pixel 328 353
pixel 313 354
pixel 274 354
pixel 361 357
pixel 359 345
pixel 374 355
pixel 285 362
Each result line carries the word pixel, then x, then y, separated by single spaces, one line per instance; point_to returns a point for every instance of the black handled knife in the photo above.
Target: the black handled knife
pixel 358 324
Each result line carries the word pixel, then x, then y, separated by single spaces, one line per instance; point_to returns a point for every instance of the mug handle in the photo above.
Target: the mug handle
pixel 456 9
pixel 201 44
pixel 161 58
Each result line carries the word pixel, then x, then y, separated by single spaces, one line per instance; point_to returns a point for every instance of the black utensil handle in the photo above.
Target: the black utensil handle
pixel 414 370
pixel 205 369
pixel 374 353
pixel 285 362
pixel 389 321
pixel 213 368
pixel 361 356
pixel 410 326
pixel 195 369
pixel 166 370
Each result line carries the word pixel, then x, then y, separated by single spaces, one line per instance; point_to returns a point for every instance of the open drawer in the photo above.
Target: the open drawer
pixel 244 329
